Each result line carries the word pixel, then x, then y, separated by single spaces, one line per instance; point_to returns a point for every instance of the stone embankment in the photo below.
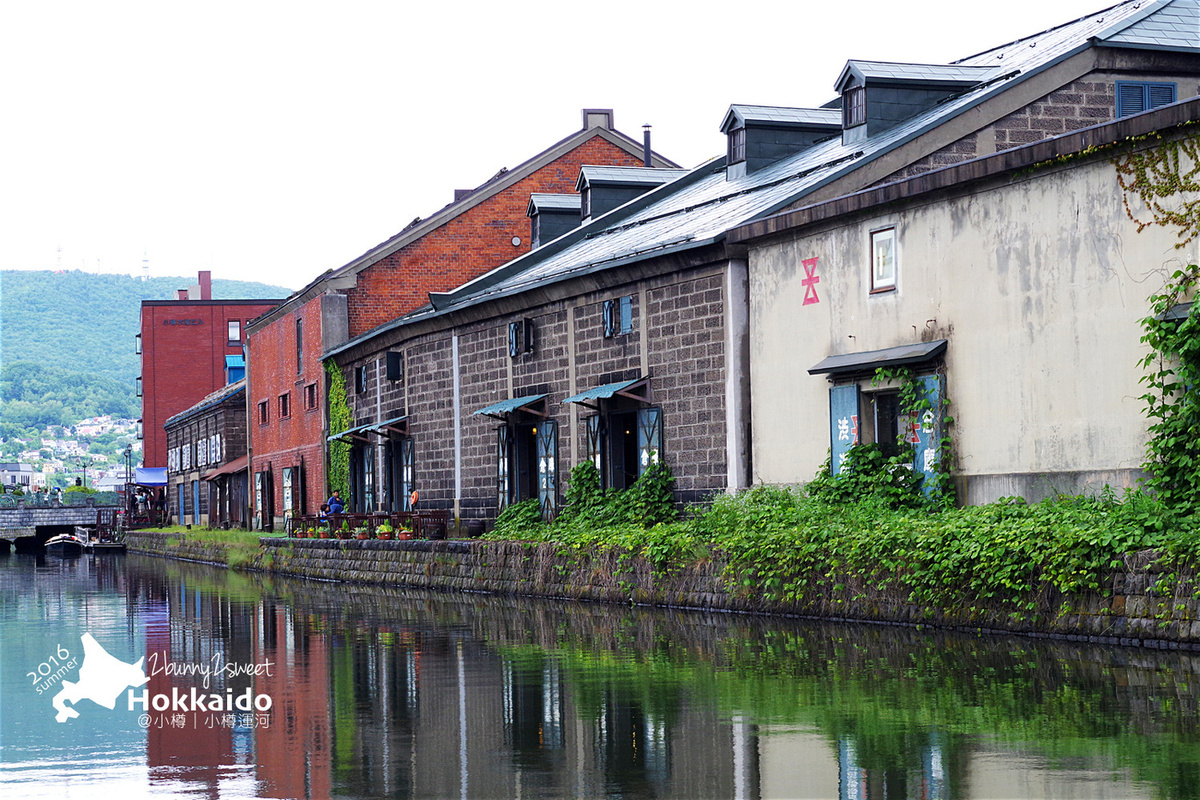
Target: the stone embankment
pixel 1135 609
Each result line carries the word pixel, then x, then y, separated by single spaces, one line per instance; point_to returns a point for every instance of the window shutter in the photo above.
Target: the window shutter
pixel 1131 98
pixel 502 486
pixel 610 321
pixel 627 314
pixel 547 466
pixel 1160 94
pixel 407 474
pixel 527 330
pixel 928 431
pixel 514 339
pixel 649 437
pixel 843 423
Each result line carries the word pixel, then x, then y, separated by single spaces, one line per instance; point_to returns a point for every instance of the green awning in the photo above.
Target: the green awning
pixel 396 424
pixel 533 404
pixel 906 355
pixel 606 391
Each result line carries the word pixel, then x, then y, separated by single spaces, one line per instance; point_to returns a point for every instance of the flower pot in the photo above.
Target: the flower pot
pixel 403 535
pixel 323 534
pixel 362 535
pixel 385 535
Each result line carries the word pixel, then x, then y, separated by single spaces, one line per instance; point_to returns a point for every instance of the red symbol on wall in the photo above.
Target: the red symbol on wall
pixel 810 281
pixel 914 436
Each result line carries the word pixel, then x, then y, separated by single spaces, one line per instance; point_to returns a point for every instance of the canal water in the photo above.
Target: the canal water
pixel 318 690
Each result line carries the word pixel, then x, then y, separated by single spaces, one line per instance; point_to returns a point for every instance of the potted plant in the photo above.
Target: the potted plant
pixel 344 531
pixel 385 530
pixel 403 533
pixel 361 532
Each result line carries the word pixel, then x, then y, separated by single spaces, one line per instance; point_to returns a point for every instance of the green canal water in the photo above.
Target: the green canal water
pixel 349 691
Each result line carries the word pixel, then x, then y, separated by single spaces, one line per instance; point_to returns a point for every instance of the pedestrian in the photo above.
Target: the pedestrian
pixel 336 506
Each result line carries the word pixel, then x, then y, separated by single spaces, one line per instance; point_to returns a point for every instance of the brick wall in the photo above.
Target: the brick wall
pixel 299 437
pixel 184 344
pixel 470 244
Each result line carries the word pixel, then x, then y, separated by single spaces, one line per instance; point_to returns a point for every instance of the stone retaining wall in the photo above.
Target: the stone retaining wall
pixel 1133 613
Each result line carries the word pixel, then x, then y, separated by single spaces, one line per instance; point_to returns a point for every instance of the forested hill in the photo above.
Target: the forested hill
pixel 67 341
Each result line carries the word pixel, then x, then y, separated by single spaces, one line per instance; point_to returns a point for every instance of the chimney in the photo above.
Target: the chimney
pixel 646 145
pixel 205 279
pixel 181 294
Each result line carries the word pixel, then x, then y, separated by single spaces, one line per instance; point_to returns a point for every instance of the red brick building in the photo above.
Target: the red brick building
pixel 184 344
pixel 480 230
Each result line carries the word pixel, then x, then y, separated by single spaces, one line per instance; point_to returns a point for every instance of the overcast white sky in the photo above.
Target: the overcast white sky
pixel 271 141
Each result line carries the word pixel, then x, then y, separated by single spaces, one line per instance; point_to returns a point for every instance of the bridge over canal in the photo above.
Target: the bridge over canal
pixel 28 527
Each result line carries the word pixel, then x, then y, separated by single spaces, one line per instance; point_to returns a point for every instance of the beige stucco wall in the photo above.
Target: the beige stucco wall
pixel 1038 284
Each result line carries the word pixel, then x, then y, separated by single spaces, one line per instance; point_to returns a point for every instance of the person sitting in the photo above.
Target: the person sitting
pixel 335 503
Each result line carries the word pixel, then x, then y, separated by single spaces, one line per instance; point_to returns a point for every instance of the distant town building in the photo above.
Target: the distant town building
pixel 17 475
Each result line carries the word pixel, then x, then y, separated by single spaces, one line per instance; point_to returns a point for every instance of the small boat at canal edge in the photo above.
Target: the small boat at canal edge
pixel 64 544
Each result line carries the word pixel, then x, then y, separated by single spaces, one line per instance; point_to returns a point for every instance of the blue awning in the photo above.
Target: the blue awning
pixel 905 355
pixel 533 404
pixel 607 391
pixel 150 476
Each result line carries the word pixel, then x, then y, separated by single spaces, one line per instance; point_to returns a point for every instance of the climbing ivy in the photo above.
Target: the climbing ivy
pixel 1172 404
pixel 338 475
pixel 914 403
pixel 1160 177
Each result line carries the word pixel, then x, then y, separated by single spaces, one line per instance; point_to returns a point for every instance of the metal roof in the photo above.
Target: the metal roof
pixel 775 115
pixel 903 355
pixel 1162 25
pixel 566 202
pixel 370 427
pixel 926 73
pixel 602 392
pixel 699 207
pixel 506 407
pixel 626 176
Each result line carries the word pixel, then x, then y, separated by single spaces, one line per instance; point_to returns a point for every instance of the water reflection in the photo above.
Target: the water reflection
pixel 405 694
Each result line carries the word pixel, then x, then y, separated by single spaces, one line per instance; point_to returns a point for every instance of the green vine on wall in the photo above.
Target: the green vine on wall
pixel 915 402
pixel 340 419
pixel 1159 178
pixel 1172 405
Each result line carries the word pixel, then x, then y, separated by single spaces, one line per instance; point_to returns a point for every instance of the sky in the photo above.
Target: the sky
pixel 272 141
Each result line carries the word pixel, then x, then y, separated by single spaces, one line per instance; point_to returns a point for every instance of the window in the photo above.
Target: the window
pixel 310 397
pixel 234 327
pixel 854 107
pixel 400 478
pixel 285 405
pixel 264 414
pixel 287 489
pixel 137 344
pixel 139 385
pixel 1136 97
pixel 520 337
pixel 585 202
pixel 395 365
pixel 527 464
pixel 299 346
pixel 139 429
pixel 875 417
pixel 737 146
pixel 360 379
pixel 883 260
pixel 618 316
pixel 624 443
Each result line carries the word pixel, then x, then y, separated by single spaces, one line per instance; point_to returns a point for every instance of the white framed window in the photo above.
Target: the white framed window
pixel 234 328
pixel 883 260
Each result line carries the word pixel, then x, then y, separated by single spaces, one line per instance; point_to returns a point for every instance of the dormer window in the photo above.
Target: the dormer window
pixel 854 107
pixel 737 146
pixel 585 202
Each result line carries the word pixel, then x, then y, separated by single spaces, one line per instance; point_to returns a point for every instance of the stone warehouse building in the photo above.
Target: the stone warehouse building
pixel 1015 283
pixel 206 460
pixel 481 229
pixel 628 339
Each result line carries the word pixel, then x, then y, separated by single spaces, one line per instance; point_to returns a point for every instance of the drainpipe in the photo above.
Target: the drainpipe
pixel 248 507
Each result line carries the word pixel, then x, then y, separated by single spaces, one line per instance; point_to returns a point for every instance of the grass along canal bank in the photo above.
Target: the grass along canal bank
pixel 1105 569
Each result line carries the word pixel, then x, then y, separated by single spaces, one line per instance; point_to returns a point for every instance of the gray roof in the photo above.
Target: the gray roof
pixel 627 176
pixel 899 356
pixel 565 202
pixel 775 115
pixel 929 73
pixel 1163 25
pixel 212 399
pixel 699 207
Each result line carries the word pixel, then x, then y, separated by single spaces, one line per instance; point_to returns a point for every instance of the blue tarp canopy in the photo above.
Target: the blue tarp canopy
pixel 604 392
pixel 150 476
